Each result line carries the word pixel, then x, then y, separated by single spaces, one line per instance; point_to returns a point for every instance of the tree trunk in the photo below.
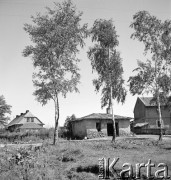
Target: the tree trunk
pixel 113 116
pixel 111 101
pixel 160 118
pixel 158 100
pixel 55 137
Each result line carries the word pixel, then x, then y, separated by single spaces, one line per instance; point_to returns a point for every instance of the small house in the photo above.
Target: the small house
pixel 25 122
pixel 99 125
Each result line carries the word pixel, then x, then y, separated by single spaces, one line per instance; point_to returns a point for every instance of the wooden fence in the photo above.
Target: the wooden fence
pixel 154 131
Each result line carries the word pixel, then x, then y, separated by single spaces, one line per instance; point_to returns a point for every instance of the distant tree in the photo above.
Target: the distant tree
pixel 4 110
pixel 67 122
pixel 106 61
pixel 68 126
pixel 55 36
pixel 154 75
pixel 68 119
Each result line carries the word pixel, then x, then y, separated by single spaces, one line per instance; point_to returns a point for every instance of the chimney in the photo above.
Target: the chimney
pixel 27 111
pixel 17 116
pixel 108 110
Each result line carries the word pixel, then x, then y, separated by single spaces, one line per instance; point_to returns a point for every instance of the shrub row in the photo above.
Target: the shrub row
pixel 17 136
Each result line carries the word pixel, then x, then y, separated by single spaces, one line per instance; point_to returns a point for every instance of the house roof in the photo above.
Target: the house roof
pixel 29 114
pixel 18 118
pixel 31 125
pixel 147 101
pixel 101 116
pixel 140 124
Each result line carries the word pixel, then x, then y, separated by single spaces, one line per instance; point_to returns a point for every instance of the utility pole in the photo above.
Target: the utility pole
pixel 111 101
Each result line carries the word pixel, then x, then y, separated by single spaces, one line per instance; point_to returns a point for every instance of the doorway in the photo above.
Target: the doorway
pixel 110 129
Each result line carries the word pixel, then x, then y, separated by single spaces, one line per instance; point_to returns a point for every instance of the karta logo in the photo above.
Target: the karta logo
pixel 106 168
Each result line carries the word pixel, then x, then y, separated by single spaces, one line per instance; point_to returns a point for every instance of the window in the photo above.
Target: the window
pixel 32 119
pixel 98 126
pixel 28 119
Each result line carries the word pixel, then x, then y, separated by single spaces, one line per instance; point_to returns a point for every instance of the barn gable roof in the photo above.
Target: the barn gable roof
pixel 147 101
pixel 101 116
pixel 18 118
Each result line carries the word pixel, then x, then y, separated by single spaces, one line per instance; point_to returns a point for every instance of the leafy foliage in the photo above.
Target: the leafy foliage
pixel 68 126
pixel 144 80
pixel 56 37
pixel 154 75
pixel 4 109
pixel 104 32
pixel 68 120
pixel 154 33
pixel 106 61
pixel 109 69
pixel 20 137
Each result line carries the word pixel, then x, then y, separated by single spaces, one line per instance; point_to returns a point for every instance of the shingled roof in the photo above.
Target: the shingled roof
pixel 18 118
pixel 147 101
pixel 101 116
pixel 31 125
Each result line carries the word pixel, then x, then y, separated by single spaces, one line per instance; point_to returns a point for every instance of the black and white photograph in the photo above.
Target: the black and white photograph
pixel 85 89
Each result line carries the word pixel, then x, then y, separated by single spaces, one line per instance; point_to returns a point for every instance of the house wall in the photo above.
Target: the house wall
pixel 14 127
pixel 24 120
pixel 152 117
pixel 87 128
pixel 124 127
pixel 91 127
pixel 91 124
pixel 139 112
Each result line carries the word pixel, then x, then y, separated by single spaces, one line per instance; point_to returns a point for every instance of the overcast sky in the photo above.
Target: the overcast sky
pixel 16 71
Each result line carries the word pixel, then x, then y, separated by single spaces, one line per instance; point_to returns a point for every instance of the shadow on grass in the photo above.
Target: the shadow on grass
pixel 67 159
pixel 136 138
pixel 71 155
pixel 90 169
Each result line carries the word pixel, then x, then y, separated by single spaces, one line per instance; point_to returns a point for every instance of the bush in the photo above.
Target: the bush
pixel 62 133
pixel 26 136
pixel 45 133
pixel 30 138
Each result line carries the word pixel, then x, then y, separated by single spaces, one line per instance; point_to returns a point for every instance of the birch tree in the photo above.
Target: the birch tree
pixel 154 75
pixel 56 36
pixel 106 61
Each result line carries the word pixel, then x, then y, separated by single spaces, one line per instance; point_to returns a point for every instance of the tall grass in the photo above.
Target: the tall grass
pixel 26 136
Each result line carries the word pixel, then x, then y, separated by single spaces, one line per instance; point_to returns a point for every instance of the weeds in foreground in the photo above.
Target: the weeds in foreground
pixel 74 160
pixel 25 163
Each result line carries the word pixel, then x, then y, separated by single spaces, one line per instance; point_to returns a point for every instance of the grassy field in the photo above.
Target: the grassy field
pixel 79 159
